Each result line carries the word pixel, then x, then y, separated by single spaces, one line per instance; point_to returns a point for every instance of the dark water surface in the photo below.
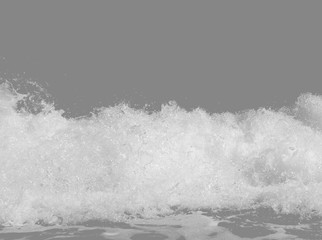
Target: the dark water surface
pixel 261 224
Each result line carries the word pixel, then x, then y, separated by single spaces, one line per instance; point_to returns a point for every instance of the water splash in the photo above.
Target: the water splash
pixel 123 163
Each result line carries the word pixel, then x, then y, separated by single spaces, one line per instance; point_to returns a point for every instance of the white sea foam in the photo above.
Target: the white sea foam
pixel 122 162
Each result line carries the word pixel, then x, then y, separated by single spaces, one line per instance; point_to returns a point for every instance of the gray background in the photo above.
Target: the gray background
pixel 219 55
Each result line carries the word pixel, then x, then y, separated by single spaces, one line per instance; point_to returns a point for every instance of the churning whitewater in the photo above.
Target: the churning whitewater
pixel 122 163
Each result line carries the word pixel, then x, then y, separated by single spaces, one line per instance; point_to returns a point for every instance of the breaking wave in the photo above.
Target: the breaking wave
pixel 121 163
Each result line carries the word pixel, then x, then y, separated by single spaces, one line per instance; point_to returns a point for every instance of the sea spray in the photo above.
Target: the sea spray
pixel 123 163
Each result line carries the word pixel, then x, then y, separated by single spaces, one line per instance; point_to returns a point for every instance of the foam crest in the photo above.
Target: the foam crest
pixel 123 163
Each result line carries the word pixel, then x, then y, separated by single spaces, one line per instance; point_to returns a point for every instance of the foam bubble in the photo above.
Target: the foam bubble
pixel 122 163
